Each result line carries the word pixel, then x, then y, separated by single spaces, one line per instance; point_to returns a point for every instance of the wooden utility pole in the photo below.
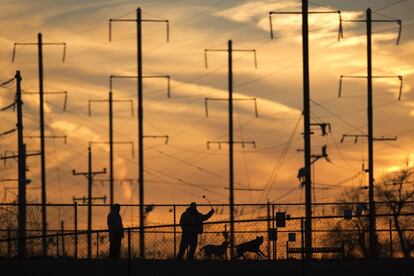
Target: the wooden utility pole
pixel 373 243
pixel 306 116
pixel 89 175
pixel 230 142
pixel 21 158
pixel 21 169
pixel 111 139
pixel 40 45
pixel 306 126
pixel 139 77
pixel 231 156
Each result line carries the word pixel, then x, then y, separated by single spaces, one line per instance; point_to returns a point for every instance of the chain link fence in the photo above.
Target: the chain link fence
pixel 340 230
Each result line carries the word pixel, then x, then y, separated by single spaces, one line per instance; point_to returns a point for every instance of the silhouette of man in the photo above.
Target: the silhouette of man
pixel 191 223
pixel 116 231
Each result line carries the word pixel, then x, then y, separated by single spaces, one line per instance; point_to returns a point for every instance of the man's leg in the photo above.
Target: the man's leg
pixel 117 246
pixel 193 246
pixel 183 246
pixel 111 247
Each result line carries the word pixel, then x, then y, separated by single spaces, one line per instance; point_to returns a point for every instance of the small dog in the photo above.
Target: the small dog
pixel 211 250
pixel 250 246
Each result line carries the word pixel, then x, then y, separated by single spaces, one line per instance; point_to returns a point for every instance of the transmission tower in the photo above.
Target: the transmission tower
pixel 141 135
pixel 111 139
pixel 138 20
pixel 306 112
pixel 372 212
pixel 89 176
pixel 41 92
pixel 22 169
pixel 21 158
pixel 231 141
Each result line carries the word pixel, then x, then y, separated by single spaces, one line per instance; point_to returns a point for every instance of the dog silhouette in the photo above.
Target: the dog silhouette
pixel 250 246
pixel 211 250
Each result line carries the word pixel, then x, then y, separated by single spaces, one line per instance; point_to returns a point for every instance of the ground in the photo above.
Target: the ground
pixel 66 267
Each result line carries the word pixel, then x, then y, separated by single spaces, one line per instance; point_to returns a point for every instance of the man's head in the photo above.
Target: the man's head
pixel 115 208
pixel 193 206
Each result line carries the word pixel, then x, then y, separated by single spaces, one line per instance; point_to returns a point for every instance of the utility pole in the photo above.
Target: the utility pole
pixel 21 158
pixel 39 45
pixel 306 114
pixel 111 139
pixel 22 169
pixel 89 175
pixel 231 141
pixel 141 135
pixel 371 197
pixel 139 77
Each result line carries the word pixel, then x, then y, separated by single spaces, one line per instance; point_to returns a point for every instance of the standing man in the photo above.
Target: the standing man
pixel 116 231
pixel 191 223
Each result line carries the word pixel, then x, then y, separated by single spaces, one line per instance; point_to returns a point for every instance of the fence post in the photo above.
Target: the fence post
pixel 75 227
pixel 97 245
pixel 62 231
pixel 364 249
pixel 287 250
pixel 268 230
pixel 391 253
pixel 274 243
pixel 57 243
pixel 302 250
pixel 225 234
pixel 302 240
pixel 9 250
pixel 129 253
pixel 175 230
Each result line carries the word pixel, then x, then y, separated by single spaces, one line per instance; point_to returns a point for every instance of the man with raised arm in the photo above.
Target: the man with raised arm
pixel 191 223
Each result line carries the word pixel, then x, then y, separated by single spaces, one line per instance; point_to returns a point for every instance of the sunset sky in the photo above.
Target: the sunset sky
pixel 184 169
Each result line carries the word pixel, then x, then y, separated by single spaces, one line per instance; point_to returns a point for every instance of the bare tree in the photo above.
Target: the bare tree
pixel 352 233
pixel 397 191
pixel 394 196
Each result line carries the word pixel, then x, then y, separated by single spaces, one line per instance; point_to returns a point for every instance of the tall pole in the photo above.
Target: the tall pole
pixel 306 125
pixel 42 137
pixel 89 175
pixel 231 161
pixel 306 112
pixel 372 219
pixel 111 142
pixel 111 152
pixel 373 246
pixel 42 142
pixel 231 141
pixel 21 170
pixel 140 137
pixel 89 202
pixel 75 226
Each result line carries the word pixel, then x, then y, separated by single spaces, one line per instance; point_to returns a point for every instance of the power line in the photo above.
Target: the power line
pixel 391 5
pixel 275 172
